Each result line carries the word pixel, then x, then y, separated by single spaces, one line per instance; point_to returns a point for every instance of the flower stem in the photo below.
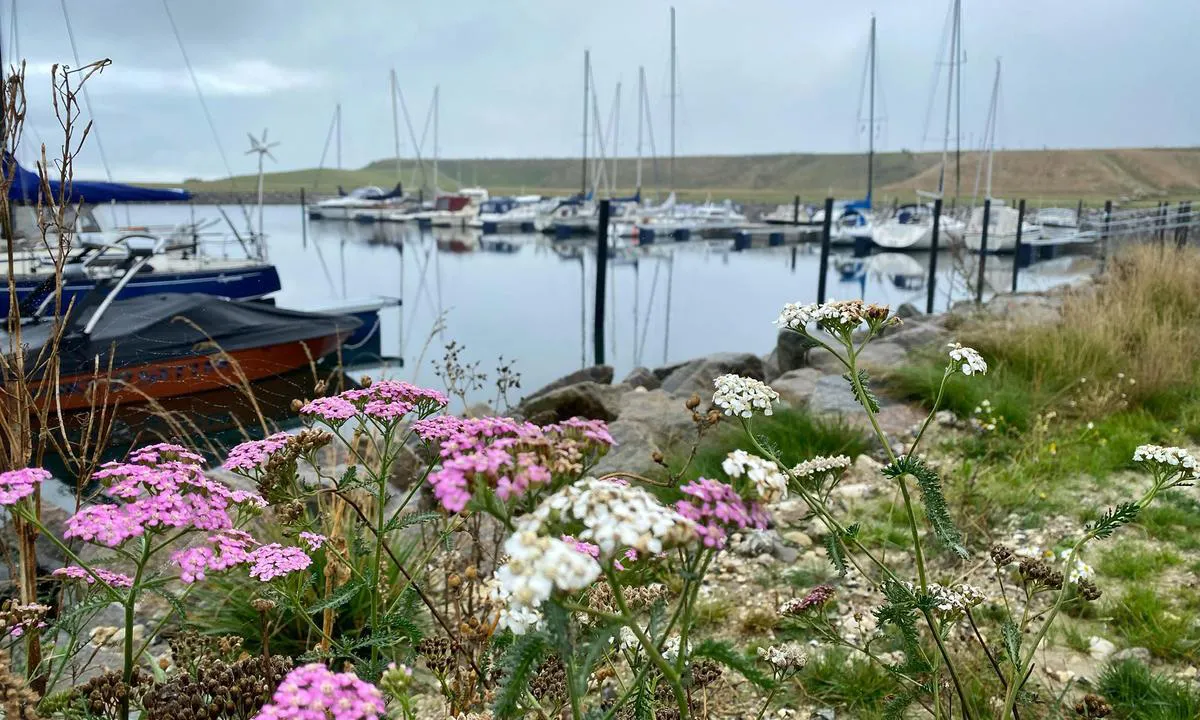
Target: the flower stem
pixel 668 672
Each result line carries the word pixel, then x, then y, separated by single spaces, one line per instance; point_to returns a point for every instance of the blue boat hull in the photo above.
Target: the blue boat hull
pixel 250 282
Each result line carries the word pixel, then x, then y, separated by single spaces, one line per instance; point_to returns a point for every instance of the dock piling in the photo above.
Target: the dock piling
pixel 1104 236
pixel 933 255
pixel 601 279
pixel 983 238
pixel 796 211
pixel 826 228
pixel 1017 247
pixel 303 221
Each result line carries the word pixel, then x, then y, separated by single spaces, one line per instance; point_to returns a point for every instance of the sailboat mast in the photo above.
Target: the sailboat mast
pixel 587 74
pixel 957 98
pixel 949 97
pixel 672 165
pixel 992 128
pixel 436 93
pixel 395 126
pixel 871 126
pixel 338 114
pixel 641 113
pixel 616 136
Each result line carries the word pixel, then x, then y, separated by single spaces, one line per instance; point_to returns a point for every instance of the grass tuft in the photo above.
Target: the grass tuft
pixel 1132 560
pixel 1144 618
pixel 1136 692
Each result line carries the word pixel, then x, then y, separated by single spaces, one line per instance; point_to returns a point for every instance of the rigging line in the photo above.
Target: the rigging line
pixel 636 282
pixel 936 81
pixel 649 306
pixel 424 137
pixel 582 314
pixel 87 102
pixel 423 273
pixel 212 126
pixel 862 96
pixel 412 136
pixel 667 309
pixel 650 137
pixel 325 151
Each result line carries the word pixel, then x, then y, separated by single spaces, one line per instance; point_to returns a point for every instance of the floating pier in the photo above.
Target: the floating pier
pixel 774 236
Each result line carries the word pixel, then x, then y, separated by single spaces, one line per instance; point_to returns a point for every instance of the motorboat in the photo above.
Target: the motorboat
pixel 1002 229
pixel 347 204
pixel 789 215
pixel 510 213
pixel 168 345
pixel 911 228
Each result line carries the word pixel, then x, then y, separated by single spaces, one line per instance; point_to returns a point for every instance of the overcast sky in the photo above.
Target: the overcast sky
pixel 755 76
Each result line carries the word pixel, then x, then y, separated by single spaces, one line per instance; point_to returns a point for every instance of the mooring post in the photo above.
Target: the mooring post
pixel 794 258
pixel 1187 223
pixel 826 228
pixel 933 256
pixel 1164 212
pixel 1017 246
pixel 1104 235
pixel 1179 225
pixel 983 238
pixel 601 277
pixel 1079 213
pixel 303 220
pixel 796 211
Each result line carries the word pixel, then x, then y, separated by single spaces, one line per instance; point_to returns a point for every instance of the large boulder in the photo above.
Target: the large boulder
pixel 918 334
pixel 881 356
pixel 796 386
pixel 792 350
pixel 697 376
pixel 601 374
pixel 649 421
pixel 832 395
pixel 643 378
pixel 586 399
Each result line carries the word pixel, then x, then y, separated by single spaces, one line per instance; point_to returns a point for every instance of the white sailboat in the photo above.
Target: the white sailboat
pixel 1002 221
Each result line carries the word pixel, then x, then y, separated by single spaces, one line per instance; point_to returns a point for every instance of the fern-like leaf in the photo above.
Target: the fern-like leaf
pixel 1113 519
pixel 867 399
pixel 399 522
pixel 725 654
pixel 520 664
pixel 1012 641
pixel 833 546
pixel 936 509
pixel 339 597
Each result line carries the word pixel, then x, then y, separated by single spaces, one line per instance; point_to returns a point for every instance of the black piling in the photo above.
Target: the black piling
pixel 303 220
pixel 1187 223
pixel 1079 212
pixel 796 211
pixel 1017 246
pixel 1179 225
pixel 1104 235
pixel 826 228
pixel 983 238
pixel 933 256
pixel 601 277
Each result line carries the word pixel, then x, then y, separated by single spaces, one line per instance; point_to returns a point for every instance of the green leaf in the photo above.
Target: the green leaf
pixel 725 654
pixel 1113 519
pixel 520 664
pixel 1012 640
pixel 900 612
pixel 833 545
pixel 340 597
pixel 868 399
pixel 936 509
pixel 399 522
pixel 173 600
pixel 895 708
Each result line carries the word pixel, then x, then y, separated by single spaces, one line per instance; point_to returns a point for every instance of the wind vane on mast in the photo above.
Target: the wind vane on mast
pixel 263 149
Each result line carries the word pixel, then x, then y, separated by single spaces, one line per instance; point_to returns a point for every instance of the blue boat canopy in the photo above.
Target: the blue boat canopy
pixel 26 188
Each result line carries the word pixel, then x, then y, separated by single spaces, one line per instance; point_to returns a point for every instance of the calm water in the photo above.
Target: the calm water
pixel 530 299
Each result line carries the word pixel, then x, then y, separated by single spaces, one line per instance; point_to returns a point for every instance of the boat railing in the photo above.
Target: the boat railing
pixel 141 256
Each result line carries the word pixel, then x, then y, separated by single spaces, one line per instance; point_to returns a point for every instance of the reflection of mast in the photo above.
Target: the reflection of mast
pixel 667 321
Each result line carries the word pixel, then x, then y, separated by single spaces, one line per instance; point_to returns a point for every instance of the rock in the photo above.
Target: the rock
pixel 831 394
pixel 407 468
pixel 697 375
pixel 771 366
pixel 799 538
pixel 647 421
pixel 795 386
pixel 791 350
pixel 853 491
pixel 602 374
pixel 791 512
pixel 586 399
pixel 1099 648
pixel 824 714
pixel 1140 654
pixel 907 310
pixel 662 372
pixel 881 356
pixel 765 559
pixel 825 361
pixel 641 377
pixel 756 543
pixel 918 335
pixel 945 417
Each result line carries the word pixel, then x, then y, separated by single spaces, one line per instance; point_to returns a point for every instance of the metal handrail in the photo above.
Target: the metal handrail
pixel 112 295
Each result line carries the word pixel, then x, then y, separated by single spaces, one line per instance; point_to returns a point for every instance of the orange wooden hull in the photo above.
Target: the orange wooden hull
pixel 161 380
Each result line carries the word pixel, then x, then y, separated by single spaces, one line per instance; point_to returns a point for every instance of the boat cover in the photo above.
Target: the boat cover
pixel 27 188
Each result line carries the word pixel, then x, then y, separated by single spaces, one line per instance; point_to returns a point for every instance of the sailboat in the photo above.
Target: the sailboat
pixel 1001 220
pixel 852 223
pixel 911 226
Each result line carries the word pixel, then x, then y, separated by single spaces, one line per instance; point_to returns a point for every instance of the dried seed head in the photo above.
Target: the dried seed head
pixel 1002 555
pixel 1093 706
pixel 1088 590
pixel 263 605
pixel 693 402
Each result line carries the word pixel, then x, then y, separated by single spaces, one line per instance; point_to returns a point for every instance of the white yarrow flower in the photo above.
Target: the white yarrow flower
pixel 786 657
pixel 769 482
pixel 821 465
pixel 741 396
pixel 969 360
pixel 537 566
pixel 1171 459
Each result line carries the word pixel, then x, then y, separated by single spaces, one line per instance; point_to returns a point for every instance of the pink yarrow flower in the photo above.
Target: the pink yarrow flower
pixel 313 692
pixel 18 484
pixel 228 549
pixel 165 452
pixel 113 579
pixel 253 455
pixel 333 410
pixel 313 540
pixel 271 561
pixel 717 508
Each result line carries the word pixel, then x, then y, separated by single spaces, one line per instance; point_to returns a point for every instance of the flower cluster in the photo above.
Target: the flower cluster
pixel 814 600
pixel 384 402
pixel 769 483
pixel 537 566
pixel 313 692
pixel 271 561
pixel 18 484
pixel 968 360
pixel 228 549
pixel 741 396
pixel 835 316
pixel 506 456
pixel 784 659
pixel 160 453
pixel 1171 461
pixel 954 601
pixel 108 577
pixel 821 465
pixel 313 540
pixel 254 454
pixel 172 495
pixel 716 508
pixel 1079 570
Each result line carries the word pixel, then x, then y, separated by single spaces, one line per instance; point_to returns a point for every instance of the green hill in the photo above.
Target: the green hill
pixel 1093 175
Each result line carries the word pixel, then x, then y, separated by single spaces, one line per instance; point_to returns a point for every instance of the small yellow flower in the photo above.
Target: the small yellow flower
pixel 1053 448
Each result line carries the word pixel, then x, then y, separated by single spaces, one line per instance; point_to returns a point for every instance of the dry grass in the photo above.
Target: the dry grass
pixel 1141 319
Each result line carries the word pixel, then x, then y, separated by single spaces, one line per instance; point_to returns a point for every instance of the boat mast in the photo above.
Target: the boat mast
pixel 871 118
pixel 949 96
pixel 957 99
pixel 396 127
pixel 587 73
pixel 616 187
pixel 436 93
pixel 337 113
pixel 992 128
pixel 641 95
pixel 671 168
